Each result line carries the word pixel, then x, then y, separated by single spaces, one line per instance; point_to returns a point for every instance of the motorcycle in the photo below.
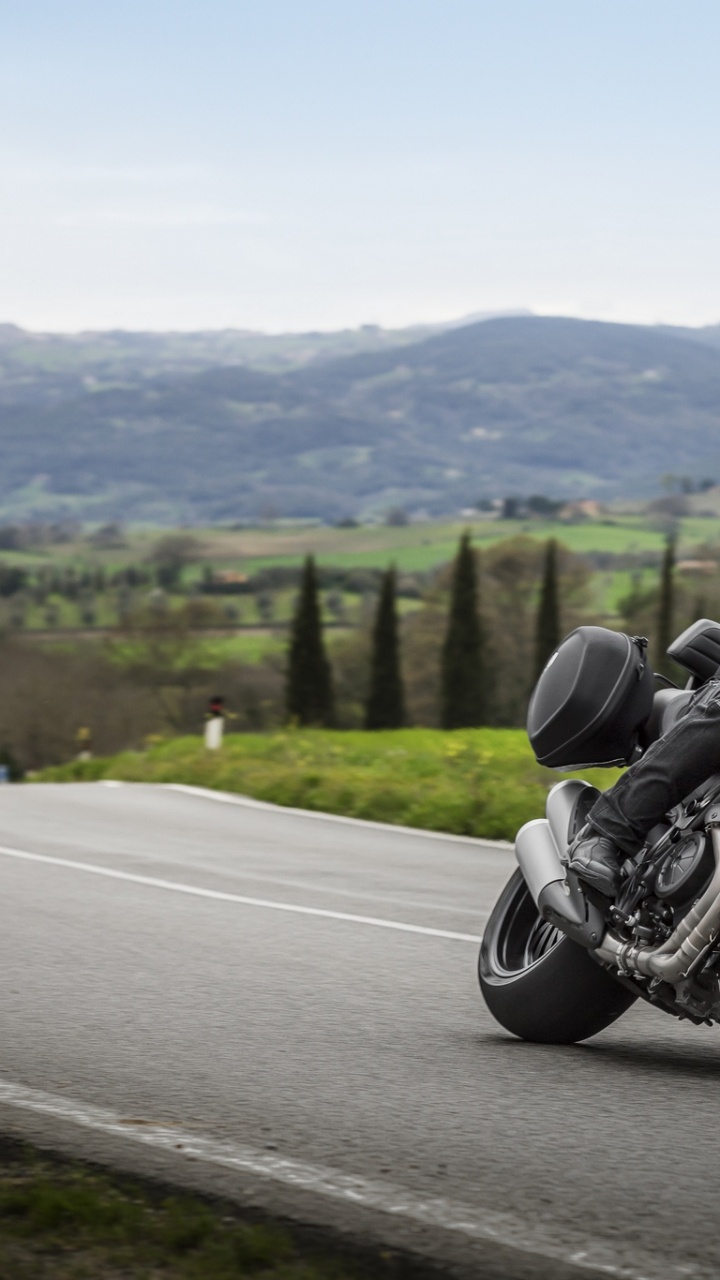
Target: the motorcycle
pixel 558 962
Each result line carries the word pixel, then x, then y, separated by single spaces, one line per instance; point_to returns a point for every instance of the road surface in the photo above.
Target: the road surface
pixel 283 1008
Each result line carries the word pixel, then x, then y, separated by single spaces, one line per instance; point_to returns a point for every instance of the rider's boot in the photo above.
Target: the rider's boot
pixel 596 861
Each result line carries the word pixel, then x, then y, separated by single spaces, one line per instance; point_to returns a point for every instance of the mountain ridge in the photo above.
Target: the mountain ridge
pixel 513 404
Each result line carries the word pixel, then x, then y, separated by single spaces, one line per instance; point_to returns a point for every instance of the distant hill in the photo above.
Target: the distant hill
pixel 52 364
pixel 516 404
pixel 708 334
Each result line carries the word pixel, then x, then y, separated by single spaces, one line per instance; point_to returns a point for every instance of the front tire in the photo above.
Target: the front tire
pixel 537 983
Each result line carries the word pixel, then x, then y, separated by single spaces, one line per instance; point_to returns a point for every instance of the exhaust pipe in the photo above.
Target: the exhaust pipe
pixel 556 895
pixel 537 856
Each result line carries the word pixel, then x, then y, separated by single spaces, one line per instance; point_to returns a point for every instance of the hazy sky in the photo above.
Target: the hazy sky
pixel 294 164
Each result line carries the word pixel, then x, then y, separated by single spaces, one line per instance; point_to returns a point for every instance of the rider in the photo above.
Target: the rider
pixel 671 768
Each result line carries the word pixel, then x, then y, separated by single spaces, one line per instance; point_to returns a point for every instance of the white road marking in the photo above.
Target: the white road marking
pixel 552 1241
pixel 218 895
pixel 225 797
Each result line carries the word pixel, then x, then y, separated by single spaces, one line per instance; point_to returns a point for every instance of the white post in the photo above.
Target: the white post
pixel 214 732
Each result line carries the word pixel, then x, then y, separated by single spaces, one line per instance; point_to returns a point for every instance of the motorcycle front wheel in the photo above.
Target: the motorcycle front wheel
pixel 537 983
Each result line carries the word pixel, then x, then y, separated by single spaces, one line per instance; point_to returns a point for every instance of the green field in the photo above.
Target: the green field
pixel 413 548
pixel 474 782
pixel 211 651
pixel 419 547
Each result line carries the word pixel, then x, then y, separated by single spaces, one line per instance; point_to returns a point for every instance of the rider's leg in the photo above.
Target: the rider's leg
pixel 672 767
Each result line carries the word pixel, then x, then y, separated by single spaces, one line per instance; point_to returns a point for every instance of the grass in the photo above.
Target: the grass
pixel 607 587
pixel 412 547
pixel 207 652
pixel 60 1220
pixel 474 782
pixel 418 547
pixel 212 651
pixel 252 647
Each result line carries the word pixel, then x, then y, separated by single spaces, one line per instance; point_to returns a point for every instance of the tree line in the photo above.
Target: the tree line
pixel 464 668
pixel 467 654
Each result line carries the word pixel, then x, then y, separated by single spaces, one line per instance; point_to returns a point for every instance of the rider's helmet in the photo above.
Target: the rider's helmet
pixel 592 699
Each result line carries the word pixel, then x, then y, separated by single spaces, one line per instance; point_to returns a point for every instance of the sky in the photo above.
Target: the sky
pixel 320 164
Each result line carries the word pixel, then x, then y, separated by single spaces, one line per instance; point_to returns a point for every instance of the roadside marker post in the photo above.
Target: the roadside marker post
pixel 214 724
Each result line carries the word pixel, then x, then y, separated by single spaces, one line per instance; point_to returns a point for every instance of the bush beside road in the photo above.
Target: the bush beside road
pixel 473 782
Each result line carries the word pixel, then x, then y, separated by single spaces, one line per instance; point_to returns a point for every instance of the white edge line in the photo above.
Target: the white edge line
pixel 226 797
pixel 218 895
pixel 469 1221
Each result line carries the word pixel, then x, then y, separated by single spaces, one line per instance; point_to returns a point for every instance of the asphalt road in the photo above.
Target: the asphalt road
pixel 284 1008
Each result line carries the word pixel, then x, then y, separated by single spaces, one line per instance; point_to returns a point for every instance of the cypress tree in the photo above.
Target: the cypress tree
pixel 547 627
pixel 385 707
pixel 666 608
pixel 308 693
pixel 462 690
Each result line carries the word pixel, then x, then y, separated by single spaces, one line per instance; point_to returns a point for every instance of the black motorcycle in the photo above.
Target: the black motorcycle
pixel 557 963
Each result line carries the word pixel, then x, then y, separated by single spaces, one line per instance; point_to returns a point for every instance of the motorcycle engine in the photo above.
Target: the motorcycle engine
pixel 654 900
pixel 686 871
